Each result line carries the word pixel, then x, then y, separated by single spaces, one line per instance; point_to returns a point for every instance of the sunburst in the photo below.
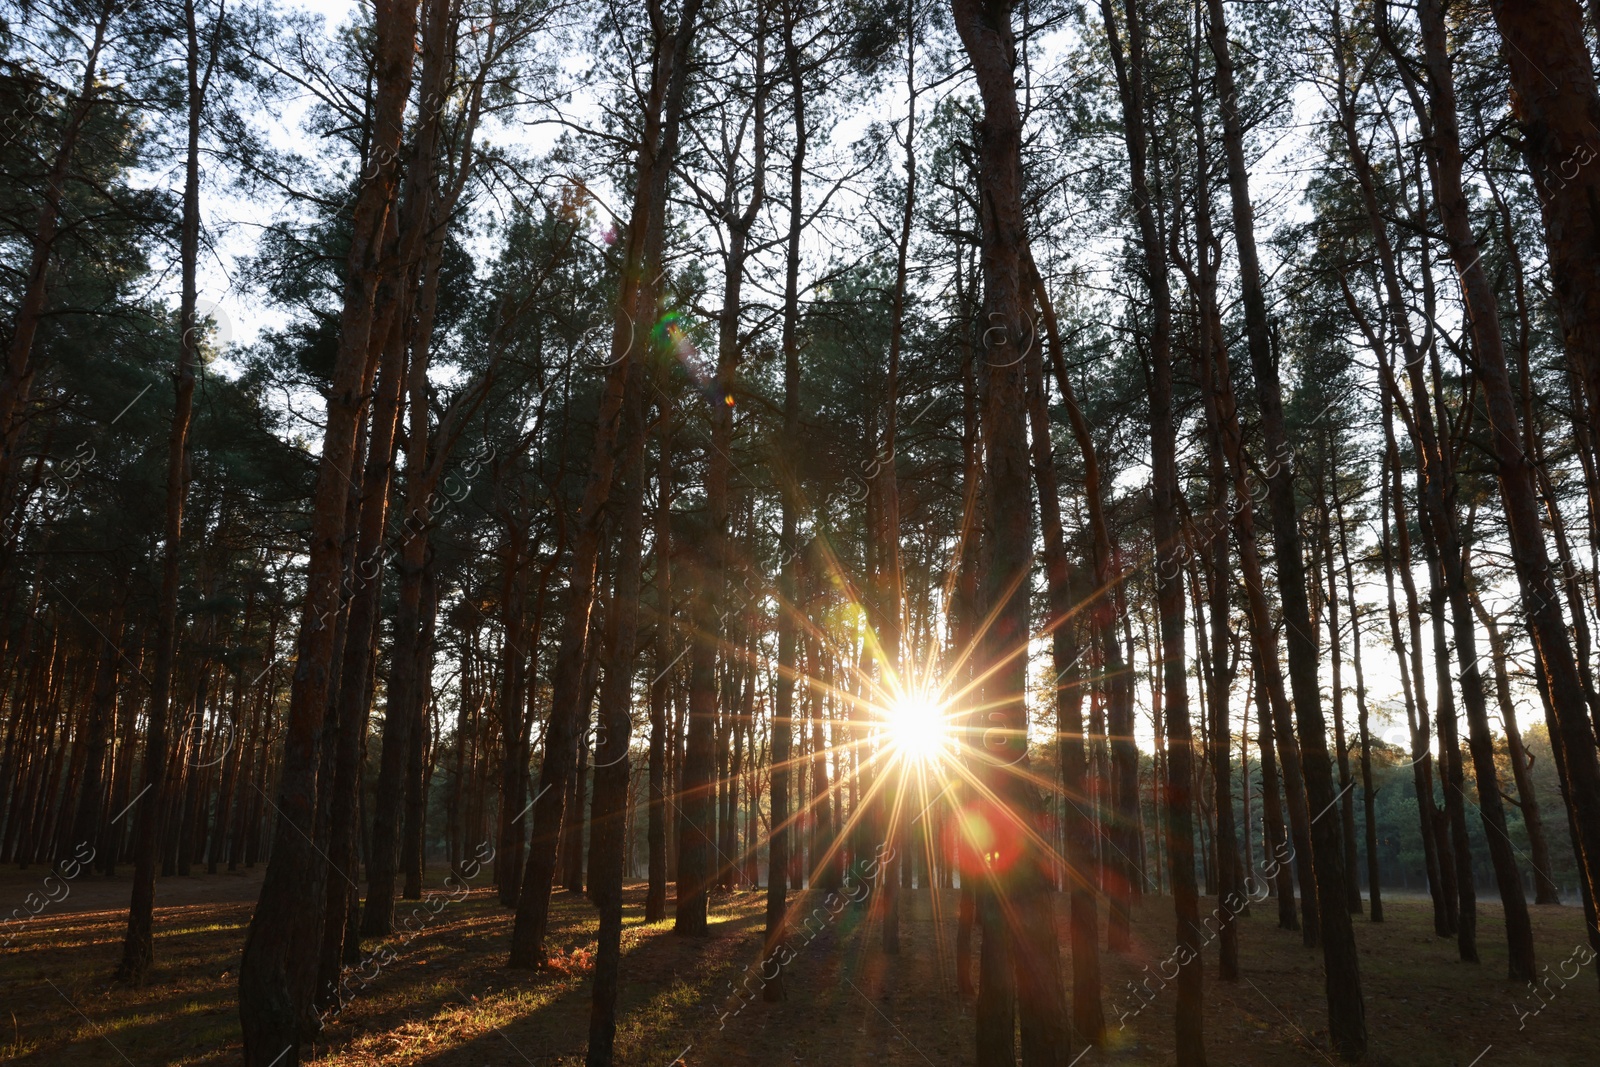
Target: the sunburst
pixel 918 728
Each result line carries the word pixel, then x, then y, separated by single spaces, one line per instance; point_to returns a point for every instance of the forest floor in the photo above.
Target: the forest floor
pixel 445 1000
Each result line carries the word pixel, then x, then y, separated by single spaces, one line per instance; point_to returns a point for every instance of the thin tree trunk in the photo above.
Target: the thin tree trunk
pixel 138 946
pixel 1277 837
pixel 697 834
pixel 789 606
pixel 611 751
pixel 657 151
pixel 1347 804
pixel 1088 1016
pixel 102 714
pixel 21 367
pixel 655 901
pixel 891 594
pixel 1347 1026
pixel 1369 795
pixel 1545 891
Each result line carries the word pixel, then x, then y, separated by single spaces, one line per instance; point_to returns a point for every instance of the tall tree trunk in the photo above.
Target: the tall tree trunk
pixel 1347 1026
pixel 611 751
pixel 278 968
pixel 1165 502
pixel 1018 910
pixel 353 698
pixel 424 467
pixel 21 366
pixel 138 946
pixel 1212 543
pixel 1088 1016
pixel 655 901
pixel 891 591
pixel 1517 491
pixel 789 603
pixel 697 834
pixel 968 613
pixel 646 227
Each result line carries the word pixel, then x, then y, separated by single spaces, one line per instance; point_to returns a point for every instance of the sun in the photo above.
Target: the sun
pixel 918 728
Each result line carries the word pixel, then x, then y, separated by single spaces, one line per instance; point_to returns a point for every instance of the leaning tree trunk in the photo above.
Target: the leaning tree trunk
pixel 1118 870
pixel 1517 487
pixel 1442 544
pixel 21 367
pixel 278 968
pixel 1545 891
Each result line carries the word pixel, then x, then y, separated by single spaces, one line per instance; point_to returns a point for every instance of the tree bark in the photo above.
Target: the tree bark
pixel 697 834
pixel 1554 96
pixel 278 969
pixel 21 367
pixel 1087 1014
pixel 1347 1026
pixel 655 901
pixel 138 945
pixel 611 751
pixel 1018 910
pixel 657 151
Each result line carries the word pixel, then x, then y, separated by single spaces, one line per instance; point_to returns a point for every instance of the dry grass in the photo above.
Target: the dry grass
pixel 447 1000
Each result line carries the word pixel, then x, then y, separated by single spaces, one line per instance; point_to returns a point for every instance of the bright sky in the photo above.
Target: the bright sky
pixel 1279 177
